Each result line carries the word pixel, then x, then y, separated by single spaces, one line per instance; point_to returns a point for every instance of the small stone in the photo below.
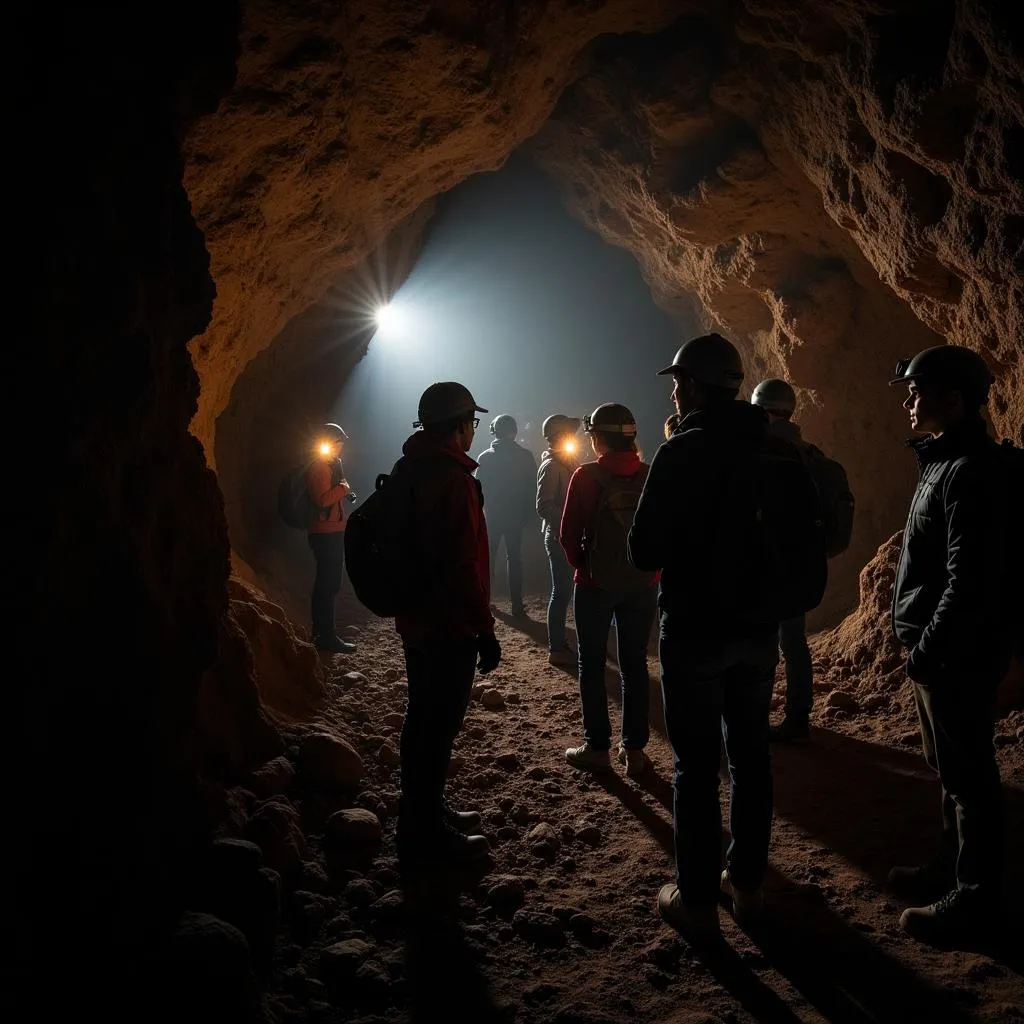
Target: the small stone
pixel 493 700
pixel 508 761
pixel 273 778
pixel 539 928
pixel 360 892
pixel 372 801
pixel 581 924
pixel 392 675
pixel 389 907
pixel 536 773
pixel 393 720
pixel 478 691
pixel 506 833
pixel 355 825
pixel 355 679
pixel 912 738
pixel 372 978
pixel 330 762
pixel 387 756
pixel 274 828
pixel 590 835
pixel 512 698
pixel 476 732
pixel 843 700
pixel 506 893
pixel 342 960
pixel 520 815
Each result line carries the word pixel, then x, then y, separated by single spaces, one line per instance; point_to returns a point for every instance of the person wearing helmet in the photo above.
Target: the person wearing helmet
pixel 449 634
pixel 778 399
pixel 328 489
pixel 595 523
pixel 506 473
pixel 717 662
pixel 557 464
pixel 951 613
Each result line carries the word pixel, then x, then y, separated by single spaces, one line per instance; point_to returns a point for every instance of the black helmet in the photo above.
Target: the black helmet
pixel 504 426
pixel 332 432
pixel 610 418
pixel 775 395
pixel 556 425
pixel 445 400
pixel 948 368
pixel 709 359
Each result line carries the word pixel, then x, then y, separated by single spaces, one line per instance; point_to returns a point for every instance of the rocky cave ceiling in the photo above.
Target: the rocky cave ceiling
pixel 833 184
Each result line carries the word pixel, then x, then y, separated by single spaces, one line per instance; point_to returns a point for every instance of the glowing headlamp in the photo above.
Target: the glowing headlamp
pixel 325 447
pixel 569 447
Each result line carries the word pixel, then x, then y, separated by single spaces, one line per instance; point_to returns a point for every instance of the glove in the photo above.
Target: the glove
pixel 490 652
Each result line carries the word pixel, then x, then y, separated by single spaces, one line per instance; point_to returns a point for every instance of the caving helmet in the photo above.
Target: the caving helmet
pixel 947 368
pixel 709 359
pixel 504 426
pixel 775 395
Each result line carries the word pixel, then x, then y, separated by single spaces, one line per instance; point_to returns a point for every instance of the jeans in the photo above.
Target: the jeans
pixel 513 534
pixel 440 675
pixel 633 613
pixel 799 672
pixel 724 692
pixel 561 592
pixel 956 739
pixel 329 552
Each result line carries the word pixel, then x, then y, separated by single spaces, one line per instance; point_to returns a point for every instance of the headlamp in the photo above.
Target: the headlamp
pixel 569 447
pixel 325 447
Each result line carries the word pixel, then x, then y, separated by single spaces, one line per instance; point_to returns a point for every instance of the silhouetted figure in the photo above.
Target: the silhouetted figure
pixel 599 507
pixel 778 399
pixel 328 490
pixel 507 473
pixel 699 521
pixel 672 424
pixel 445 634
pixel 951 610
pixel 557 464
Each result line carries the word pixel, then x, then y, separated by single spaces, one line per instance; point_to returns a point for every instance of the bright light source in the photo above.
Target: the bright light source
pixel 325 448
pixel 387 317
pixel 569 447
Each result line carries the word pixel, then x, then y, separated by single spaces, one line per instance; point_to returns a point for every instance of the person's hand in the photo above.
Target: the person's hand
pixel 490 652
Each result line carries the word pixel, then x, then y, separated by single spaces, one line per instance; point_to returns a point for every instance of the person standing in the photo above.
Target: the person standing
pixel 448 630
pixel 702 522
pixel 328 490
pixel 599 507
pixel 507 472
pixel 557 464
pixel 953 612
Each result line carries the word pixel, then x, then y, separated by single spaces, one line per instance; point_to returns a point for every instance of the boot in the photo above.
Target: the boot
pixel 792 729
pixel 698 924
pixel 442 848
pixel 923 883
pixel 958 916
pixel 747 904
pixel 466 822
pixel 333 645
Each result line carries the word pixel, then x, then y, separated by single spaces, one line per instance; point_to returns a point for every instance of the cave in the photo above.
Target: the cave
pixel 210 190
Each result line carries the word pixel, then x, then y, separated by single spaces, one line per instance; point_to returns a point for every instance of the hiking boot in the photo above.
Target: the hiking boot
pixel 333 645
pixel 465 822
pixel 923 882
pixel 959 915
pixel 519 612
pixel 635 761
pixel 443 847
pixel 698 924
pixel 588 760
pixel 565 656
pixel 747 904
pixel 792 729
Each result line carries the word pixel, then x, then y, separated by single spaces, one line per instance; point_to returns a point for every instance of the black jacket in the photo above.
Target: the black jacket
pixel 680 504
pixel 949 600
pixel 508 476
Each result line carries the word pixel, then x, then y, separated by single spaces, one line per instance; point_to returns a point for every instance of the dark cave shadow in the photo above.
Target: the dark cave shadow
pixel 442 967
pixel 835 967
pixel 889 801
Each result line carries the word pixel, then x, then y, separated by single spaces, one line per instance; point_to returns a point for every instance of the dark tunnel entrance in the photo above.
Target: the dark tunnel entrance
pixel 507 293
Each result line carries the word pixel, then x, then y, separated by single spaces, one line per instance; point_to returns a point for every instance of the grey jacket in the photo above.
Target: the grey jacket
pixel 552 486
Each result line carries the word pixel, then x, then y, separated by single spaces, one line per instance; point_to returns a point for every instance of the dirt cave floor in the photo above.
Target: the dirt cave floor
pixel 560 924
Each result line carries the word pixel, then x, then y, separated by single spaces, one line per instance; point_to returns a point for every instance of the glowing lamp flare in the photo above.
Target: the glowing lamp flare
pixel 569 447
pixel 325 447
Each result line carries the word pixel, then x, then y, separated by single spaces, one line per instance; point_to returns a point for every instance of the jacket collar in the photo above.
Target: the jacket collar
pixel 423 445
pixel 620 463
pixel 959 440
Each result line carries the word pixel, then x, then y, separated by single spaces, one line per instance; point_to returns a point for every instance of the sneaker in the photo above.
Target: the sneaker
pixel 698 924
pixel 959 915
pixel 635 761
pixel 333 645
pixel 566 656
pixel 790 730
pixel 465 822
pixel 588 760
pixel 922 883
pixel 747 904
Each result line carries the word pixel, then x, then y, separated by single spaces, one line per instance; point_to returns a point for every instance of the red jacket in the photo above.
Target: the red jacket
pixel 327 495
pixel 581 507
pixel 449 528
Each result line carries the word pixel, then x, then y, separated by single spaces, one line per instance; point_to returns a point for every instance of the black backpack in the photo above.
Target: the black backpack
pixel 608 563
pixel 294 505
pixel 768 537
pixel 835 496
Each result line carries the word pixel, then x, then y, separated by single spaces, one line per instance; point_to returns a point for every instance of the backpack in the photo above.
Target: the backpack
pixel 769 544
pixel 835 496
pixel 388 577
pixel 294 505
pixel 608 563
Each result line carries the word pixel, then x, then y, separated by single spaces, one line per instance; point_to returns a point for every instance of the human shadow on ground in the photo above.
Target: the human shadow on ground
pixel 846 976
pixel 442 961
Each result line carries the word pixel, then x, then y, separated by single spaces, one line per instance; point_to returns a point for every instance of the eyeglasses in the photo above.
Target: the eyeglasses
pixel 476 422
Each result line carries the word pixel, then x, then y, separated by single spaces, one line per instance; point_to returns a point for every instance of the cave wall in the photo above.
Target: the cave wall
pixel 116 604
pixel 832 184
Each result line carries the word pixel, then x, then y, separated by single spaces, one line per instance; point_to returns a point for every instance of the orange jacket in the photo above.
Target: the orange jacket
pixel 328 495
